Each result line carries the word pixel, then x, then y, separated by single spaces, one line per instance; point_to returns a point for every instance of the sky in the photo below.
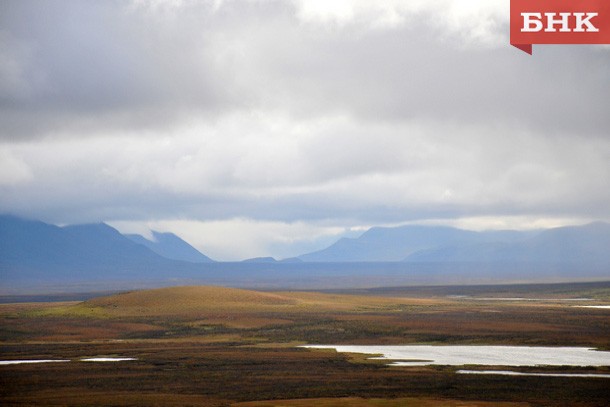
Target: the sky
pixel 272 128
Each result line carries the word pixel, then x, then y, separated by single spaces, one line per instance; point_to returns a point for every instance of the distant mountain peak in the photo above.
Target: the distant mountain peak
pixel 584 244
pixel 388 243
pixel 260 260
pixel 170 246
pixel 444 243
pixel 35 248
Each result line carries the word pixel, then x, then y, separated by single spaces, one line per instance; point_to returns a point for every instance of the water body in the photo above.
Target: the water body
pixel 21 362
pixel 423 355
pixel 466 297
pixel 512 373
pixel 593 306
pixel 106 359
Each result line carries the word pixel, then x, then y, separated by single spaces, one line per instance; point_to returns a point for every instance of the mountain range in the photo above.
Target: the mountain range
pixel 588 244
pixel 398 243
pixel 571 244
pixel 33 250
pixel 36 254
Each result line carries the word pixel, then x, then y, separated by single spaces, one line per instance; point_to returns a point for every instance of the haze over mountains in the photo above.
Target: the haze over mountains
pixel 33 253
pixel 588 244
pixel 396 244
pixel 572 244
pixel 170 246
pixel 36 250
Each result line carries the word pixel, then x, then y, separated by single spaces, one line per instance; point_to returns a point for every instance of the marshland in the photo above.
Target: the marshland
pixel 222 346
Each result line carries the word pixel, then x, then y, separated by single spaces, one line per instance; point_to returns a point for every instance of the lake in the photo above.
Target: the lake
pixel 97 359
pixel 21 362
pixel 422 355
pixel 512 373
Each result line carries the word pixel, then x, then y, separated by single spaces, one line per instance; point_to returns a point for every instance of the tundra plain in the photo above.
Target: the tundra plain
pixel 215 346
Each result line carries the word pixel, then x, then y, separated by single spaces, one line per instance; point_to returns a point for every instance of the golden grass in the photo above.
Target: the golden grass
pixel 364 303
pixel 191 301
pixel 240 321
pixel 186 301
pixel 9 309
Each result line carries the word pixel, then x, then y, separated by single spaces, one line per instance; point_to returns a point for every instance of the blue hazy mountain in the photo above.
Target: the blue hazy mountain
pixel 35 256
pixel 291 260
pixel 588 244
pixel 170 246
pixel 35 250
pixel 397 243
pixel 260 260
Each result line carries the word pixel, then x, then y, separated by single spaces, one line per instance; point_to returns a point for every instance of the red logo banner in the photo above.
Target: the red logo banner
pixel 559 22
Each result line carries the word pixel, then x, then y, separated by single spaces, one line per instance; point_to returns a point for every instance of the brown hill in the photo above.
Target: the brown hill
pixel 205 302
pixel 188 300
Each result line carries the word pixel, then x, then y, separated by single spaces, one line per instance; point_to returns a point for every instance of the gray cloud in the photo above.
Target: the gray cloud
pixel 280 111
pixel 90 66
pixel 93 67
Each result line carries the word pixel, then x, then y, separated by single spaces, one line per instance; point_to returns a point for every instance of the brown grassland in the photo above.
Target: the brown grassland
pixel 214 346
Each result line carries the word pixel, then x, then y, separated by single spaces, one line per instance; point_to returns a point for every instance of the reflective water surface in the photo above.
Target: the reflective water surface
pixel 422 355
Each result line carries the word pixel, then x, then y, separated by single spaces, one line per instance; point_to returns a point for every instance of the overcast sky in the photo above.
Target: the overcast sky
pixel 262 127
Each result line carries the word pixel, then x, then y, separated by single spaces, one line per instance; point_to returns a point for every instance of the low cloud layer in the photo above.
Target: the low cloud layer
pixel 328 114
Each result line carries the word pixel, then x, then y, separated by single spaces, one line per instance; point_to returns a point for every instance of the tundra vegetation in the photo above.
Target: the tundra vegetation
pixel 218 346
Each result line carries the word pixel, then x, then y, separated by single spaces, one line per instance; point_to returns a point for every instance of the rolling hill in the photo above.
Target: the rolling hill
pixel 187 300
pixel 206 301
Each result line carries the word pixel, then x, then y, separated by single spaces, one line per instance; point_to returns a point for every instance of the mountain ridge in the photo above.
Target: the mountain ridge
pixel 568 244
pixel 397 243
pixel 171 247
pixel 35 256
pixel 33 249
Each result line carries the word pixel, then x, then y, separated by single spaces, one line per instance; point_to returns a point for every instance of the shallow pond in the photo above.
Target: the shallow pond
pixel 28 361
pixel 106 359
pixel 21 362
pixel 422 355
pixel 512 373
